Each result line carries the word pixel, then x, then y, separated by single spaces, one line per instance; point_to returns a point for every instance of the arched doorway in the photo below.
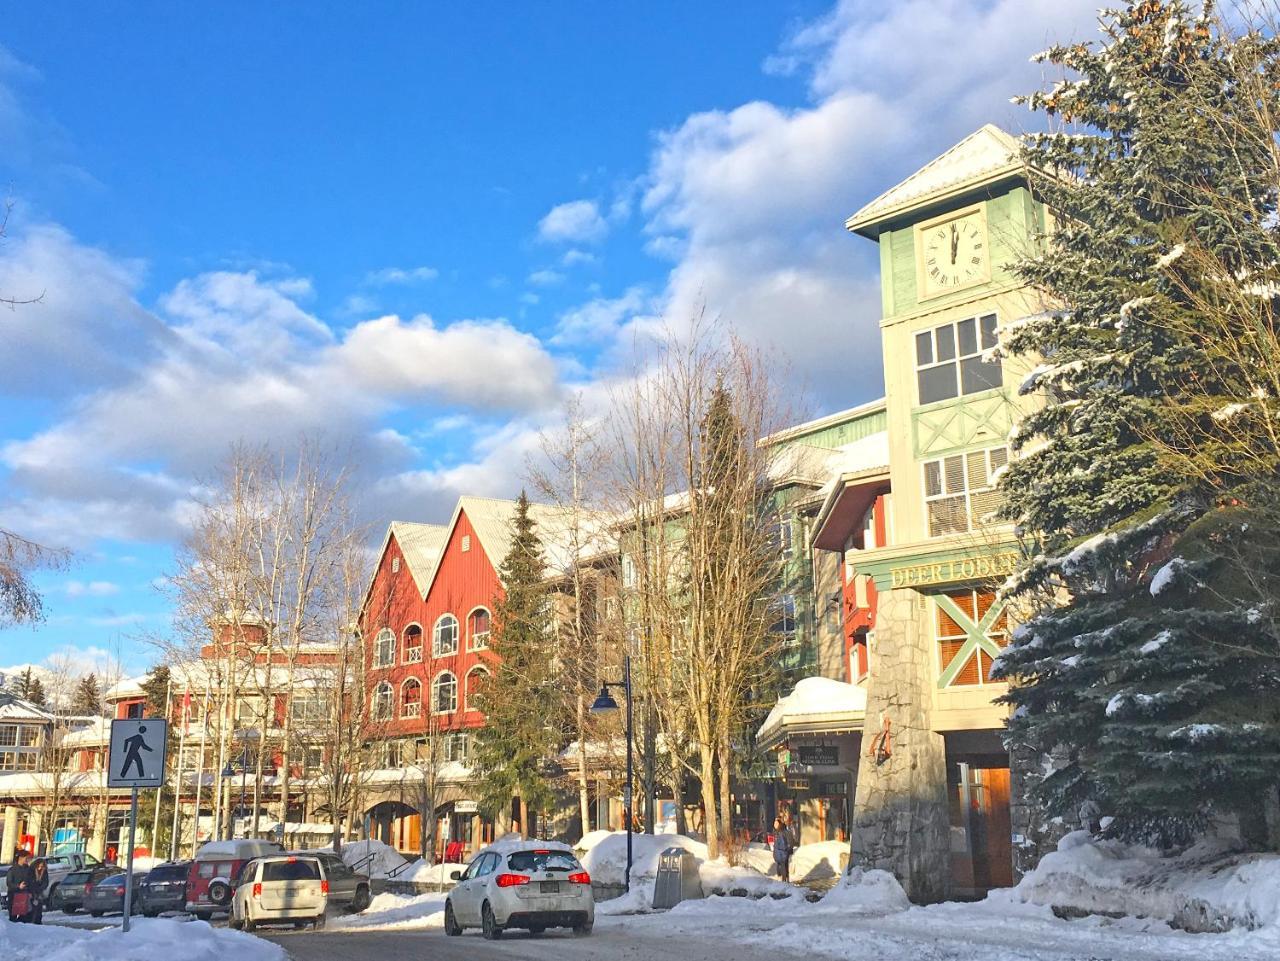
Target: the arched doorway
pixel 394 823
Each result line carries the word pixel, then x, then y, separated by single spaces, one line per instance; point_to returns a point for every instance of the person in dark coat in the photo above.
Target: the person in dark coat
pixel 38 888
pixel 19 879
pixel 781 849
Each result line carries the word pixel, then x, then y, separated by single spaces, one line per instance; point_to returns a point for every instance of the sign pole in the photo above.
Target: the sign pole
pixel 128 871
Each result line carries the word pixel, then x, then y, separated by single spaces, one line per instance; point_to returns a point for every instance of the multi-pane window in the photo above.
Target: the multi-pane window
pixel 18 760
pixel 382 702
pixel 8 735
pixel 456 747
pixel 958 490
pixel 411 698
pixel 309 707
pixel 444 693
pixel 784 612
pixel 950 359
pixel 445 638
pixel 475 677
pixel 628 571
pixel 384 648
pixel 413 644
pixel 478 623
pixel 953 636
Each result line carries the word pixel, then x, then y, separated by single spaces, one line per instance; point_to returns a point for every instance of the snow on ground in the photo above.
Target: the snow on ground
pixel 606 862
pixel 818 862
pixel 1206 888
pixel 150 938
pixel 385 858
pixel 394 911
pixel 424 873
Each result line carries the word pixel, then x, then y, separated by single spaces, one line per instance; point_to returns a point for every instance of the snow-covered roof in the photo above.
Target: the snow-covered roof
pixel 986 155
pixel 127 687
pixel 825 421
pixel 421 545
pixel 94 734
pixel 816 703
pixel 14 708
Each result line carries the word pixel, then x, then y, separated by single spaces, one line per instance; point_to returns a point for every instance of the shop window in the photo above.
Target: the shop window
pixel 952 360
pixel 959 492
pixel 969 634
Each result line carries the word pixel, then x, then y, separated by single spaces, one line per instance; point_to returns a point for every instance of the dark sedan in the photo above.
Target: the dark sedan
pixel 107 896
pixel 164 888
pixel 70 894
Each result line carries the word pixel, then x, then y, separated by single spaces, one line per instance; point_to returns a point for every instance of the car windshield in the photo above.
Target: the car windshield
pixel 543 861
pixel 291 871
pixel 112 880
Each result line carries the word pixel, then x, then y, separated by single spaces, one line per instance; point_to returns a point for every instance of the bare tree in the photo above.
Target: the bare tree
pixel 698 490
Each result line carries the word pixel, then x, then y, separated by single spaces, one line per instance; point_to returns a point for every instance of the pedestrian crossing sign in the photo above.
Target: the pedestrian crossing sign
pixel 136 758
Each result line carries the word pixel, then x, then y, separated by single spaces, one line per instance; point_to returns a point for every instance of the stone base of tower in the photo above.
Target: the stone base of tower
pixel 900 818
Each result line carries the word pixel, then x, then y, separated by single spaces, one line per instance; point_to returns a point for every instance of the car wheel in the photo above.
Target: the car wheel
pixel 233 924
pixel 69 909
pixel 451 925
pixel 250 925
pixel 489 924
pixel 361 900
pixel 219 892
pixel 536 929
pixel 319 922
pixel 150 913
pixel 583 929
pixel 97 914
pixel 203 915
pixel 299 925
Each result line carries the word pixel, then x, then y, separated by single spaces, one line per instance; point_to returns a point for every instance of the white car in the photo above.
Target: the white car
pixel 279 889
pixel 533 888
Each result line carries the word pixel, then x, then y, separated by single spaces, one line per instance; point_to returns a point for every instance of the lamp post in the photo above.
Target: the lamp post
pixel 603 703
pixel 226 774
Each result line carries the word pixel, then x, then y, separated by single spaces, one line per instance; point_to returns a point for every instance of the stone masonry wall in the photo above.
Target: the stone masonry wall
pixel 900 819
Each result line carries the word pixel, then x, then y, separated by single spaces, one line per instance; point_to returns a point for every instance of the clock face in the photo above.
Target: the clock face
pixel 955 254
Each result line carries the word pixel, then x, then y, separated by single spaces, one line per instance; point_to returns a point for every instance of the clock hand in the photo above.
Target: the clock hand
pixel 955 242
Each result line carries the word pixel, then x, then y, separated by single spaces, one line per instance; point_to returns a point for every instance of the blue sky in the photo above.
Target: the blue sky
pixel 415 227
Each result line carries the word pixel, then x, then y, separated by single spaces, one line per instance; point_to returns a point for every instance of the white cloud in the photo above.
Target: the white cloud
pixel 400 275
pixel 545 278
pixel 578 221
pixel 90 589
pixel 574 257
pixel 600 319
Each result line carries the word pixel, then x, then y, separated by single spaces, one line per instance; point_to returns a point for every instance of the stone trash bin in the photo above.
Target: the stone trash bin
pixel 678 879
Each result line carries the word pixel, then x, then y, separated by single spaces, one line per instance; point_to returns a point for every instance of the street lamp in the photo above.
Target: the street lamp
pixel 604 703
pixel 228 773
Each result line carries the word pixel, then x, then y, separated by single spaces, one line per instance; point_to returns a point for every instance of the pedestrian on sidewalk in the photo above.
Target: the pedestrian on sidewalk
pixel 18 883
pixel 781 849
pixel 38 888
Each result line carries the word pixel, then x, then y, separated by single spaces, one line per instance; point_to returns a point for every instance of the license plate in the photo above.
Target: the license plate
pixel 550 887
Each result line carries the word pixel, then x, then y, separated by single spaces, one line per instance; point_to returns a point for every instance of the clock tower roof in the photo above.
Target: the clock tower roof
pixel 984 157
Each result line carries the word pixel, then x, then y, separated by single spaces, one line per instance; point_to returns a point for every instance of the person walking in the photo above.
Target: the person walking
pixel 38 888
pixel 18 883
pixel 781 849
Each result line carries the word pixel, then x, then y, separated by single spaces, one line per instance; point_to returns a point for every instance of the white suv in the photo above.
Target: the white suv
pixel 280 889
pixel 534 888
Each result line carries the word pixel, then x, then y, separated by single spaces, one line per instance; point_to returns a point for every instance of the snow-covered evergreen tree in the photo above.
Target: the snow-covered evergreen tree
pixel 1157 681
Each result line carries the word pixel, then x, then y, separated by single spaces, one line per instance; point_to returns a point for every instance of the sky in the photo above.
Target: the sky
pixel 413 229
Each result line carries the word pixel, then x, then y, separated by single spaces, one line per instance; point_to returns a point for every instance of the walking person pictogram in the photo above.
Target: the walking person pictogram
pixel 132 746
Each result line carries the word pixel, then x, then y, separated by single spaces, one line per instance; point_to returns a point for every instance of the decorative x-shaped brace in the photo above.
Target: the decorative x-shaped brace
pixel 976 635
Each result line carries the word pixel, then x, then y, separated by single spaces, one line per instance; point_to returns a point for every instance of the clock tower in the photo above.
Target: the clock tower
pixel 948 237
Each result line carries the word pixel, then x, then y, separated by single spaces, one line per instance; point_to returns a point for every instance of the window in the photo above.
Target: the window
pixel 411 698
pixel 950 362
pixel 249 710
pixel 395 565
pixel 859 657
pixel 784 608
pixel 8 735
pixel 309 707
pixel 384 648
pixel 478 629
pixel 294 869
pixel 475 677
pixel 444 693
pixel 958 491
pixel 966 633
pixel 456 747
pixel 628 571
pixel 413 644
pixel 782 537
pixel 308 760
pixel 382 702
pixel 445 639
pixel 466 543
pixel 135 710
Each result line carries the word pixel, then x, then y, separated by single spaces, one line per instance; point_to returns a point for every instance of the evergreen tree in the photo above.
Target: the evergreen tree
pixel 35 692
pixel 155 689
pixel 521 731
pixel 87 700
pixel 1157 681
pixel 23 686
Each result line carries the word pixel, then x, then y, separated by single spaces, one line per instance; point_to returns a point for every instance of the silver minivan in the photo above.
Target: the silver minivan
pixel 280 889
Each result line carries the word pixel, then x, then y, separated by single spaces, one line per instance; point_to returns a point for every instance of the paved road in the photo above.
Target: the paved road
pixel 605 944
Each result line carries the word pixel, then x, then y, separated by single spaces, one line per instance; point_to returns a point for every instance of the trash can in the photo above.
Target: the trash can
pixel 678 879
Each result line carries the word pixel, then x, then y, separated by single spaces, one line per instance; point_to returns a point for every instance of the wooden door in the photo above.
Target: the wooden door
pixel 992 841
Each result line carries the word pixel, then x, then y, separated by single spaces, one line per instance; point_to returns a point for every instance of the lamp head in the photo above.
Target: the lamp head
pixel 227 771
pixel 604 701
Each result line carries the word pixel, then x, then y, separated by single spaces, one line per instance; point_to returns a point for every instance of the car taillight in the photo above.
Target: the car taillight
pixel 511 880
pixel 324 887
pixel 580 877
pixel 88 889
pixel 257 890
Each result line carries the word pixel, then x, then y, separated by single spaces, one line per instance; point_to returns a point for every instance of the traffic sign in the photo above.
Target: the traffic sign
pixel 136 758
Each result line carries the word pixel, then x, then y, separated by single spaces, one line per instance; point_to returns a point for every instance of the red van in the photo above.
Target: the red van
pixel 211 875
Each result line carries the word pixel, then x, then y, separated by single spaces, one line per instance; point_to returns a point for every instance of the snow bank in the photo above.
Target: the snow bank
pixel 1207 888
pixel 150 938
pixel 866 892
pixel 514 842
pixel 719 877
pixel 606 862
pixel 395 911
pixel 591 839
pixel 385 858
pixel 424 873
pixel 818 862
